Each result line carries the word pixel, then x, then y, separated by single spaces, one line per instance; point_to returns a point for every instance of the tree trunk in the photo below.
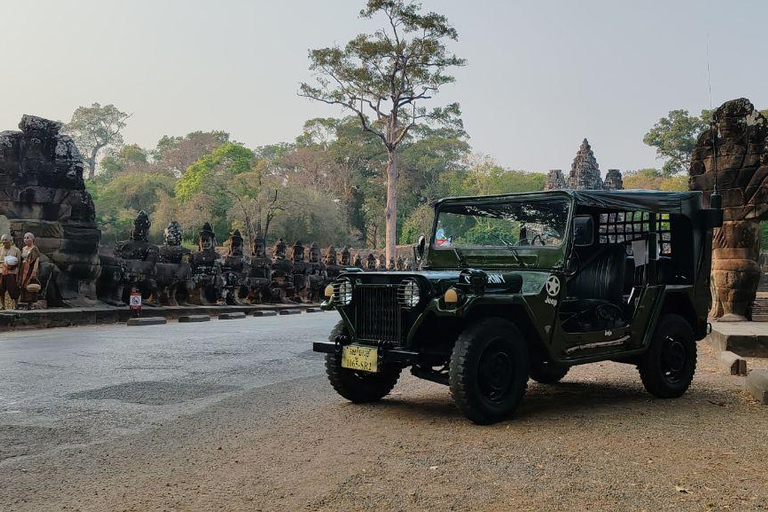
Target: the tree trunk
pixel 91 163
pixel 391 210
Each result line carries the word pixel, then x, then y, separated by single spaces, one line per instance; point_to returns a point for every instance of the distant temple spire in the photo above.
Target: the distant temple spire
pixel 585 174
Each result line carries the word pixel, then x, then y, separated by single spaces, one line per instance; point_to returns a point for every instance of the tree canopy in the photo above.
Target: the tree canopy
pixel 94 129
pixel 384 78
pixel 674 138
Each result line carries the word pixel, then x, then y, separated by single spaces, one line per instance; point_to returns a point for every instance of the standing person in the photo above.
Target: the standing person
pixel 10 257
pixel 30 265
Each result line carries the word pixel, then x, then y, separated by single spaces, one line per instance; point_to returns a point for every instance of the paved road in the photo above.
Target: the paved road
pixel 75 386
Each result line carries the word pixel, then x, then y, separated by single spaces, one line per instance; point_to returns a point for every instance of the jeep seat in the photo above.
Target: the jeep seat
pixel 595 299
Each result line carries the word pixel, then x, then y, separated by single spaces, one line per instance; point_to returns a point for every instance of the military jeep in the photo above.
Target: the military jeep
pixel 527 285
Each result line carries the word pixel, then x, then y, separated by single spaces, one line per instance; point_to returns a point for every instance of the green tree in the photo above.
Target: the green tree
pixel 674 138
pixel 94 129
pixel 175 154
pixel 384 77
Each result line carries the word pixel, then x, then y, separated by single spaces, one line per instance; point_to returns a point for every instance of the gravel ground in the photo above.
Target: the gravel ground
pixel 596 441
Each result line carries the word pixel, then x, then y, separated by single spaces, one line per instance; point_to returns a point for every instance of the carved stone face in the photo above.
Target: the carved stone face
pixel 314 253
pixel 371 261
pixel 236 244
pixel 345 256
pixel 260 247
pixel 278 251
pixel 330 256
pixel 140 231
pixel 298 252
pixel 172 234
pixel 206 240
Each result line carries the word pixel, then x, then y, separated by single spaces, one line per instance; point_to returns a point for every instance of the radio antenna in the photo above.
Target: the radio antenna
pixel 715 201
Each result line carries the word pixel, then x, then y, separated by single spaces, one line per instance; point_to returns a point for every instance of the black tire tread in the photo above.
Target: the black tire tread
pixel 371 388
pixel 459 370
pixel 648 366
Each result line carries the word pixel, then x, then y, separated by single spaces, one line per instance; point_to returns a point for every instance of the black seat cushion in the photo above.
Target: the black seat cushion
pixel 601 277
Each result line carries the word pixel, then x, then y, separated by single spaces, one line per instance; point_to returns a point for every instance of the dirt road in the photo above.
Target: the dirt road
pixel 595 442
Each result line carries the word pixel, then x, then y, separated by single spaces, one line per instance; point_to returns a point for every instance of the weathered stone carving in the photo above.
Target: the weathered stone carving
pixel 382 264
pixel 173 269
pixel 344 257
pixel 234 269
pixel 358 261
pixel 613 180
pixel 258 279
pixel 734 154
pixel 206 283
pixel 555 180
pixel 138 258
pixel 370 262
pixel 282 273
pixel 316 276
pixel 42 191
pixel 585 172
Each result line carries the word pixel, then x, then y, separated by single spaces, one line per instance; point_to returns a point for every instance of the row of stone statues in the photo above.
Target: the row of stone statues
pixel 171 274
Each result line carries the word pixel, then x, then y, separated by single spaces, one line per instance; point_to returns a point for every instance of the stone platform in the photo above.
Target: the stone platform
pixel 65 317
pixel 747 339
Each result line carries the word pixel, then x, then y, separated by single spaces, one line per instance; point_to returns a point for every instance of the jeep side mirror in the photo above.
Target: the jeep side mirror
pixel 420 247
pixel 583 230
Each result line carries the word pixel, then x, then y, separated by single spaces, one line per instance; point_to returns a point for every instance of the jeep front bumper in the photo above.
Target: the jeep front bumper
pixel 386 354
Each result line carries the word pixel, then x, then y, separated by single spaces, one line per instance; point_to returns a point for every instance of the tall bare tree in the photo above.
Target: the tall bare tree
pixel 384 77
pixel 95 128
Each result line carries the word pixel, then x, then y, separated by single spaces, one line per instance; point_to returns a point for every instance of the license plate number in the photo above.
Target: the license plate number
pixel 356 357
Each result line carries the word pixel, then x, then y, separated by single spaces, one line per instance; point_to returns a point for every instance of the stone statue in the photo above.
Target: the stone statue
pixel 370 262
pixel 173 268
pixel 282 273
pixel 42 191
pixel 316 276
pixel 234 270
pixel 382 263
pixel 734 154
pixel 206 283
pixel 345 257
pixel 259 272
pixel 400 265
pixel 332 267
pixel 139 258
pixel 358 261
pixel 300 272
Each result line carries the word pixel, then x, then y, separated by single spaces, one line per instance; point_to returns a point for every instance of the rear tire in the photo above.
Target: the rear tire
pixel 488 371
pixel 667 368
pixel 358 386
pixel 547 372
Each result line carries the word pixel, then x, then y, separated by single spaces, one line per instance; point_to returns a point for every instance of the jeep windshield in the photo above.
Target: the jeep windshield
pixel 511 223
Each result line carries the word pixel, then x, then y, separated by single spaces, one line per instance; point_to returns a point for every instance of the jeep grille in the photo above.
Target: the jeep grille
pixel 377 313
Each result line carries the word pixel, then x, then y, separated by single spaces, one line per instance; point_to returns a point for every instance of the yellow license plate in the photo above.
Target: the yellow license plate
pixel 356 357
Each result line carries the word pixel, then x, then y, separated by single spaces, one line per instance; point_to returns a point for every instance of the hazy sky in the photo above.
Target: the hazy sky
pixel 541 75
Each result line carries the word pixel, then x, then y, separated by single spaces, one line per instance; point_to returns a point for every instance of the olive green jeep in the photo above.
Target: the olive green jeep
pixel 527 285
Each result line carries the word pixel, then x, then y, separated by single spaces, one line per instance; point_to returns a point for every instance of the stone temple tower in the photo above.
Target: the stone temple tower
pixel 555 180
pixel 613 180
pixel 585 172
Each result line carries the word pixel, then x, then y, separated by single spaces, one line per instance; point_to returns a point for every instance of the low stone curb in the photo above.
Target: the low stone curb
pixel 194 318
pixel 731 363
pixel 757 384
pixel 290 311
pixel 232 316
pixel 147 320
pixel 312 310
pixel 265 313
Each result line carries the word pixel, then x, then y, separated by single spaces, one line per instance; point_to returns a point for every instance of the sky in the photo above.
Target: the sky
pixel 541 75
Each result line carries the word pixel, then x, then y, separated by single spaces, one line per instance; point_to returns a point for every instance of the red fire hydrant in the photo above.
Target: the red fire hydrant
pixel 135 303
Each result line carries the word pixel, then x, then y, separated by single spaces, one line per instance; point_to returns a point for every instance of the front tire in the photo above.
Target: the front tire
pixel 667 368
pixel 488 371
pixel 358 386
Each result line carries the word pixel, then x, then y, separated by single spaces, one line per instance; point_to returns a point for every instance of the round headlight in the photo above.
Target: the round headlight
pixel 342 292
pixel 408 294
